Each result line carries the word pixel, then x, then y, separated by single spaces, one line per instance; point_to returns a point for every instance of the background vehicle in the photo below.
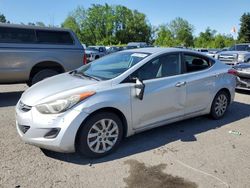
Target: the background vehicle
pixel 243 76
pixel 239 53
pixel 29 54
pixel 113 49
pixel 202 50
pixel 212 52
pixel 132 45
pixel 95 52
pixel 92 108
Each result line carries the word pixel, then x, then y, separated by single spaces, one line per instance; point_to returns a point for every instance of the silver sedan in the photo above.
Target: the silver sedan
pixel 92 108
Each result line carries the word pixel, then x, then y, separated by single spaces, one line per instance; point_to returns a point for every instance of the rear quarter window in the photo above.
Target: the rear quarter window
pixel 195 62
pixel 17 35
pixel 54 37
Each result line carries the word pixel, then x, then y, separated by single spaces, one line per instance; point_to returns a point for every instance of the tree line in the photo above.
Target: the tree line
pixel 117 24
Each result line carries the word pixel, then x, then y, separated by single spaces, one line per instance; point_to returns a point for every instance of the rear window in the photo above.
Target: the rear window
pixel 16 35
pixel 54 37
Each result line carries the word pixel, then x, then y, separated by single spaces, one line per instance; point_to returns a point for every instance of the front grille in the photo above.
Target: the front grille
pixel 23 107
pixel 228 58
pixel 24 128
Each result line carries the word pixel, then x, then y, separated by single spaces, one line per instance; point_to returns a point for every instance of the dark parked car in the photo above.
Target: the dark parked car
pixel 243 79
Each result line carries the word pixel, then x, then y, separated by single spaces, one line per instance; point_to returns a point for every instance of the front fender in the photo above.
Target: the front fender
pixel 118 97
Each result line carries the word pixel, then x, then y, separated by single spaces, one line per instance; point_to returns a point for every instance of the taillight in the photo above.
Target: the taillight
pixel 232 71
pixel 84 59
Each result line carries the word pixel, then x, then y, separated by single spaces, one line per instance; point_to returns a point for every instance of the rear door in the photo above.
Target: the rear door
pixel 199 82
pixel 165 92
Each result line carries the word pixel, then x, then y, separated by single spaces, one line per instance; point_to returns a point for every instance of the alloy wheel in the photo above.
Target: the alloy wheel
pixel 221 105
pixel 103 135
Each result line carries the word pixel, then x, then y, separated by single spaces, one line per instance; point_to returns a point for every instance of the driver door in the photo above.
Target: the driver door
pixel 164 95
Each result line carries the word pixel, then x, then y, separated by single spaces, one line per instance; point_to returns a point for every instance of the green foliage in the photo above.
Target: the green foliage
pixel 182 32
pixel 106 25
pixel 2 19
pixel 209 39
pixel 205 39
pixel 177 33
pixel 71 23
pixel 164 37
pixel 244 33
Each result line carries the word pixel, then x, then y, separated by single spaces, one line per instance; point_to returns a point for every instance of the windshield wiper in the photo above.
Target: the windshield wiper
pixel 92 77
pixel 82 75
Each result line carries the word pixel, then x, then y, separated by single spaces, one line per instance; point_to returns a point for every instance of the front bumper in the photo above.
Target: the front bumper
pixel 33 127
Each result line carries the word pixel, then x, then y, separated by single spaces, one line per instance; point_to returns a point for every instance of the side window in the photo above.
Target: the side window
pixel 54 37
pixel 164 66
pixel 16 35
pixel 195 63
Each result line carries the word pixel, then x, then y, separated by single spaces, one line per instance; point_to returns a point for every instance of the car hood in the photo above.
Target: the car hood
pixel 233 52
pixel 58 86
pixel 243 66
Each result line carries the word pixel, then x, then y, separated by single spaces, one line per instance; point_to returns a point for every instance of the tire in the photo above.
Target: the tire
pixel 219 105
pixel 97 57
pixel 93 143
pixel 41 75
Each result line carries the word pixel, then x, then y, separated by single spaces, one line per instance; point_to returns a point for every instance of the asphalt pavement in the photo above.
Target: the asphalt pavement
pixel 198 152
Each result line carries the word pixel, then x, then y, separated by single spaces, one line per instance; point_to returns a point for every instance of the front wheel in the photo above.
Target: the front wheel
pixel 219 105
pixel 100 135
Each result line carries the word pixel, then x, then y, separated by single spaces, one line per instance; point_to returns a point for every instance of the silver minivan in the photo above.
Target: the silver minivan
pixel 92 108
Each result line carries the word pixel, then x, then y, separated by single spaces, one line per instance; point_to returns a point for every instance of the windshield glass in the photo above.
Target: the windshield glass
pixel 112 65
pixel 241 47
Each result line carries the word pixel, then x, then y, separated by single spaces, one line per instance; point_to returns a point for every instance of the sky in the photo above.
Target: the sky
pixel 220 15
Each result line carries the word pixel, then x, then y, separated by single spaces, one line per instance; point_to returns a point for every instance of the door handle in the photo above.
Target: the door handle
pixel 180 84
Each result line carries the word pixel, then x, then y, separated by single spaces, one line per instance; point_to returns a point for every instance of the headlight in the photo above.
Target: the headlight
pixel 241 58
pixel 62 105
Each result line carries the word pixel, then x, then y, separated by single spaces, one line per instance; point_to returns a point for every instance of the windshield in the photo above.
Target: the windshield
pixel 241 47
pixel 112 65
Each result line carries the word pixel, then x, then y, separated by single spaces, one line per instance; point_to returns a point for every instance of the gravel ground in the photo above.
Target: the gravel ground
pixel 194 153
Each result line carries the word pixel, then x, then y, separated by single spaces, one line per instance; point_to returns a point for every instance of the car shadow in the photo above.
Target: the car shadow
pixel 152 139
pixel 9 98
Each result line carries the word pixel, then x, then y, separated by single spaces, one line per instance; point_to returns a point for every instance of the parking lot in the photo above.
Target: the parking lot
pixel 199 152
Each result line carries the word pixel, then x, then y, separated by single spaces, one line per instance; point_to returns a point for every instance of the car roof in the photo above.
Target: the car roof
pixel 20 26
pixel 158 50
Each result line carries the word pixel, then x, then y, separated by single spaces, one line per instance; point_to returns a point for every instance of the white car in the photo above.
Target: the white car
pixel 92 108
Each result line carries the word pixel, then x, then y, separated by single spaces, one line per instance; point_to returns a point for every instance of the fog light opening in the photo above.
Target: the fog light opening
pixel 52 133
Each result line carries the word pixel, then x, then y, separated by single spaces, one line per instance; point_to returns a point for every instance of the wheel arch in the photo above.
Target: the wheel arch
pixel 106 109
pixel 46 65
pixel 228 93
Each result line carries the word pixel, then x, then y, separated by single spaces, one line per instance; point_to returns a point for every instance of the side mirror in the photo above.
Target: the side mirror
pixel 139 88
